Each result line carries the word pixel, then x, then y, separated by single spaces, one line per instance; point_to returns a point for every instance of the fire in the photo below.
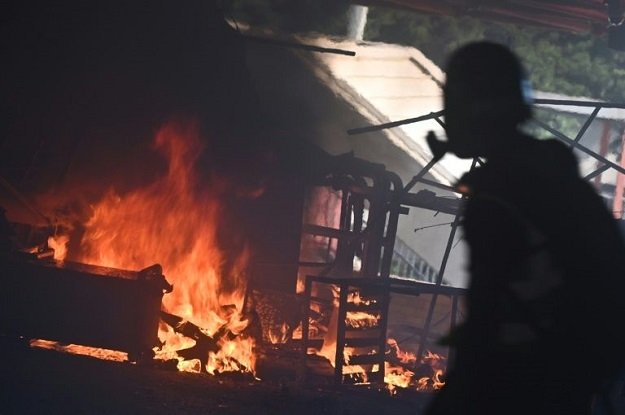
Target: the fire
pixel 396 377
pixel 174 221
pixel 437 363
pixel 402 368
pixel 402 371
pixel 59 244
pixel 234 356
pixel 362 319
pixel 357 373
pixel 355 298
pixel 104 354
pixel 402 355
pixel 280 335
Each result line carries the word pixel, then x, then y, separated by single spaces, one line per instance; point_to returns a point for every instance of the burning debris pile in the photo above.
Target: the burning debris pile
pixel 404 371
pixel 82 104
pixel 175 220
pixel 208 322
pixel 360 356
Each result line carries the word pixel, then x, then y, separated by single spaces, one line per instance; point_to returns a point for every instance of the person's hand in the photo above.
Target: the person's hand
pixel 437 147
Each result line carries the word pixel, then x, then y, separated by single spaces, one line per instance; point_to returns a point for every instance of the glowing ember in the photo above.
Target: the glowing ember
pixel 401 368
pixel 234 356
pixel 397 377
pixel 355 298
pixel 193 365
pixel 403 356
pixel 361 319
pixel 281 335
pixel 104 354
pixel 357 373
pixel 399 374
pixel 173 221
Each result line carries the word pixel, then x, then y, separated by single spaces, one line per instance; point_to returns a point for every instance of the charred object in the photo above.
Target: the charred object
pixel 82 304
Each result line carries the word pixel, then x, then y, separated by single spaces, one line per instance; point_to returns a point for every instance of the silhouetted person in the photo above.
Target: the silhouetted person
pixel 546 298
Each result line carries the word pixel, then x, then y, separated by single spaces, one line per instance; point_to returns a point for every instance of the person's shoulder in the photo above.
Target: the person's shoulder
pixel 553 147
pixel 529 160
pixel 555 155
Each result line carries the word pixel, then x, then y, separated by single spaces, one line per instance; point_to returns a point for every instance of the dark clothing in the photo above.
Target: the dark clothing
pixel 547 266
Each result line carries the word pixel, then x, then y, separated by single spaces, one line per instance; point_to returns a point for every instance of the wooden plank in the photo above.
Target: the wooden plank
pixel 366 359
pixel 362 341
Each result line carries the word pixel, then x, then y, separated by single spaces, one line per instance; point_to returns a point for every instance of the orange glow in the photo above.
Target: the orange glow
pixel 397 377
pixel 437 381
pixel 361 319
pixel 103 354
pixel 173 222
pixel 355 298
pixel 400 376
pixel 280 335
pixel 403 356
pixel 59 244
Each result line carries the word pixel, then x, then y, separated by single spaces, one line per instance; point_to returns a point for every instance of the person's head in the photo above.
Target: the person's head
pixel 485 97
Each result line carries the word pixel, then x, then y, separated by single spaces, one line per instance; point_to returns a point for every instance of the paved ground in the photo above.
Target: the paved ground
pixel 35 381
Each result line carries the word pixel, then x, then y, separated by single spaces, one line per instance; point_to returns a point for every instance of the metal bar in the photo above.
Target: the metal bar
pixel 374 231
pixel 340 335
pixel 294 45
pixel 577 103
pixel 362 130
pixel 617 203
pixel 389 241
pixel 589 121
pixel 413 266
pixel 436 115
pixel 426 72
pixel 597 172
pixel 332 233
pixel 453 321
pixel 306 316
pixel 419 175
pixel 603 148
pixel 441 123
pixel 450 206
pixel 442 319
pixel 383 326
pixel 580 147
pixel 438 185
pixel 439 280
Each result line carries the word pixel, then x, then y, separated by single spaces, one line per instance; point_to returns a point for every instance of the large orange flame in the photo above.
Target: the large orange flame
pixel 174 222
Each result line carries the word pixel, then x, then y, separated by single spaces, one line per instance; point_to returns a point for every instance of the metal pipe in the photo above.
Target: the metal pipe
pixel 580 147
pixel 294 45
pixel 582 130
pixel 439 279
pixel 371 128
pixel 577 103
pixel 617 204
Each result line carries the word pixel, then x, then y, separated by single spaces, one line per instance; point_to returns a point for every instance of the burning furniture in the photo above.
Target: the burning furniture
pixel 355 280
pixel 363 351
